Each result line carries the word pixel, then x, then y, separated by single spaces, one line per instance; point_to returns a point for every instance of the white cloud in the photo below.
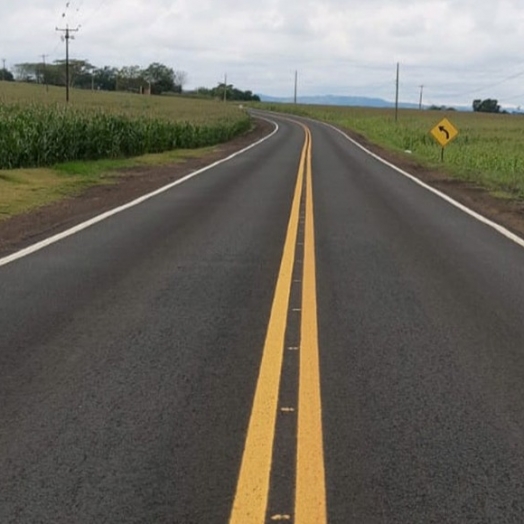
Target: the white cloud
pixel 454 47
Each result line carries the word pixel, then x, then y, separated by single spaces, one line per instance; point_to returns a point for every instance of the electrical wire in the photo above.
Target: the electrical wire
pixel 100 5
pixel 489 86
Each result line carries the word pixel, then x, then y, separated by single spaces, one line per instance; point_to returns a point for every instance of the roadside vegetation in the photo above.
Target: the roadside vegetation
pixel 38 130
pixel 22 190
pixel 488 152
pixel 50 150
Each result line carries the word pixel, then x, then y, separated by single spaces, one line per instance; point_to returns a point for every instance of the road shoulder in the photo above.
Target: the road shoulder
pixel 504 211
pixel 27 228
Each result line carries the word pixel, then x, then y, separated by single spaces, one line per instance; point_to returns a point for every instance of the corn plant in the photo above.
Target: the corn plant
pixel 36 134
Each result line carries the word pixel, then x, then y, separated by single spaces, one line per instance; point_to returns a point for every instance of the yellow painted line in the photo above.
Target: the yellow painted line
pixel 250 503
pixel 310 494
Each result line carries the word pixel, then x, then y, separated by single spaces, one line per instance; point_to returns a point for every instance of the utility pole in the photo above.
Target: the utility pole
pixel 67 37
pixel 421 93
pixel 397 89
pixel 45 76
pixel 225 87
pixel 296 87
pixel 3 69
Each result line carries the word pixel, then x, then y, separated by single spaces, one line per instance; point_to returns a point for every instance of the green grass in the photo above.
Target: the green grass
pixel 38 129
pixel 172 108
pixel 23 190
pixel 488 152
pixel 50 150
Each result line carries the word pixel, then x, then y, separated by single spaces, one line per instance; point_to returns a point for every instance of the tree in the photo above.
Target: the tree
pixel 131 78
pixel 180 80
pixel 161 78
pixel 79 72
pixel 440 108
pixel 55 74
pixel 26 72
pixel 203 91
pixel 218 91
pixel 34 72
pixel 105 78
pixel 486 106
pixel 232 93
pixel 6 75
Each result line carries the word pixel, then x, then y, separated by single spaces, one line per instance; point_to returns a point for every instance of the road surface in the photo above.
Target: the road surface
pixel 300 334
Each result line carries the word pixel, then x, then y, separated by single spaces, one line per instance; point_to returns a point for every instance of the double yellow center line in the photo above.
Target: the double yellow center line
pixel 252 493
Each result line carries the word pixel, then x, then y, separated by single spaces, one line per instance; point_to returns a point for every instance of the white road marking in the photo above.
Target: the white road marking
pixel 490 223
pixel 497 227
pixel 99 218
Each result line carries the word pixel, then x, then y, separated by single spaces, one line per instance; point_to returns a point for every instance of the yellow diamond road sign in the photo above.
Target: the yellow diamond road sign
pixel 444 132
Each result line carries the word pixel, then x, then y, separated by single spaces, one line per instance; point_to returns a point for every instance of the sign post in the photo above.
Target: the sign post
pixel 444 132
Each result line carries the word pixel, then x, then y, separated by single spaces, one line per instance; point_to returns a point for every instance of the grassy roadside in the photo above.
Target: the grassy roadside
pixel 23 190
pixel 487 153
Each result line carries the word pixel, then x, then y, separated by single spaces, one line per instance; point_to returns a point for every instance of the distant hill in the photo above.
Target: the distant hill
pixel 333 100
pixel 362 101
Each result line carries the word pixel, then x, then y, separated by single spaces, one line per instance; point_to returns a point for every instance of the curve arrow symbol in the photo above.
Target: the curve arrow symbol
pixel 444 130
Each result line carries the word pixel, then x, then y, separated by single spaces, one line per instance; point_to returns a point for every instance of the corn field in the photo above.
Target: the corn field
pixel 489 150
pixel 42 135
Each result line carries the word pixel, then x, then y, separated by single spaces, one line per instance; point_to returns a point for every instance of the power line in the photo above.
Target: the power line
pixel 100 5
pixel 513 97
pixel 489 86
pixel 61 20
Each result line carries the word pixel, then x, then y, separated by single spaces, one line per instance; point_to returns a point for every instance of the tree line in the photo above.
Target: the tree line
pixel 157 78
pixel 489 105
pixel 227 92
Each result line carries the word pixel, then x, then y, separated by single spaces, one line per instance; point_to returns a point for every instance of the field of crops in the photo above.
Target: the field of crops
pixel 489 151
pixel 38 129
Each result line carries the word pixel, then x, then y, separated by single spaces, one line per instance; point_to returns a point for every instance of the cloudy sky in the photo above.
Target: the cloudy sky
pixel 458 49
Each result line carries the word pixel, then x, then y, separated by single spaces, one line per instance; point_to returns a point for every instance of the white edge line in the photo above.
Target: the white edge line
pixel 99 218
pixel 497 227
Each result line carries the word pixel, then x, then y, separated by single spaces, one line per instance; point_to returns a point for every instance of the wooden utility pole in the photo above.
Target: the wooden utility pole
pixel 45 76
pixel 296 87
pixel 225 87
pixel 397 89
pixel 421 93
pixel 67 37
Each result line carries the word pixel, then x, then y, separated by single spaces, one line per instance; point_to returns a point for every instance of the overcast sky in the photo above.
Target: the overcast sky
pixel 458 49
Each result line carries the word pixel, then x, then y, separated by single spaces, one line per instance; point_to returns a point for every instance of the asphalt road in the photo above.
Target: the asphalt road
pixel 301 334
